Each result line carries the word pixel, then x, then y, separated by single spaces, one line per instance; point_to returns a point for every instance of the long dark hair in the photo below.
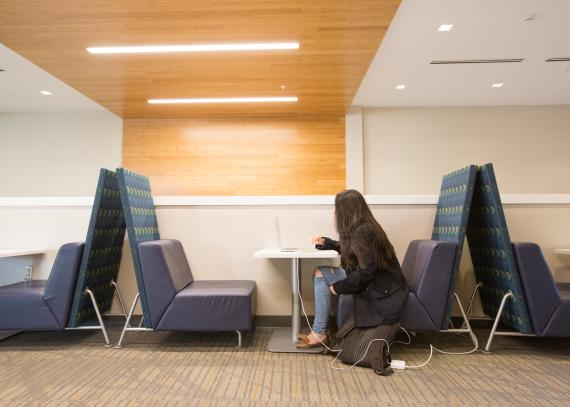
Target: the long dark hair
pixel 353 220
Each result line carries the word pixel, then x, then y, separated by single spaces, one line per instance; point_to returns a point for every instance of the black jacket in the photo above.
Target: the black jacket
pixel 379 293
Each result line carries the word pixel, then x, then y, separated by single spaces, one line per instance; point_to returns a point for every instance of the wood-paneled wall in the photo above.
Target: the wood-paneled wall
pixel 238 156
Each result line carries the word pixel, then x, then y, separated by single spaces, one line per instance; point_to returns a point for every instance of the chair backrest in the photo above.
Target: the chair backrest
pixel 60 285
pixel 103 251
pixel 451 219
pixel 165 272
pixel 539 287
pixel 492 253
pixel 142 226
pixel 428 266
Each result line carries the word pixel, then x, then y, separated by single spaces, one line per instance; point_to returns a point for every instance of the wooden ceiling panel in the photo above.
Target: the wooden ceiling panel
pixel 338 41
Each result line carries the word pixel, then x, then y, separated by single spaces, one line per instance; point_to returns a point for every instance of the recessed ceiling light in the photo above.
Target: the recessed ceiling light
pixel 224 100
pixel 445 27
pixel 46 92
pixel 400 87
pixel 497 85
pixel 142 49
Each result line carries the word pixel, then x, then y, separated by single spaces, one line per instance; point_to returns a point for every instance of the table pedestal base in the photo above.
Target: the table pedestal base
pixel 281 342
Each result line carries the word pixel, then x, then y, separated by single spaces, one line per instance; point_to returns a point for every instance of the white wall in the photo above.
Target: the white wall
pixel 57 154
pixel 406 150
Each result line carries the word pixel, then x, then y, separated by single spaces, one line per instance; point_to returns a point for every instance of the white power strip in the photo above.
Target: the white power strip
pixel 398 364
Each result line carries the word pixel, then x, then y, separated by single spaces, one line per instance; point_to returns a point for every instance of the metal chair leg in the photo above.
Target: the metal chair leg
pixel 466 323
pixel 497 319
pixel 471 301
pixel 127 322
pixel 99 317
pixel 120 297
pixel 239 338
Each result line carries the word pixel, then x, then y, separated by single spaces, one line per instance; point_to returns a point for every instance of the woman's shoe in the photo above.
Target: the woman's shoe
pixel 302 337
pixel 305 344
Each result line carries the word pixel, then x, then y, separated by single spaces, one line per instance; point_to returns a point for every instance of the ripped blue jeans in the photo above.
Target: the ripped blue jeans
pixel 323 295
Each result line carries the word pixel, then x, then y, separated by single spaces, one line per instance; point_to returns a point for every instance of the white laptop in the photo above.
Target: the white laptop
pixel 280 242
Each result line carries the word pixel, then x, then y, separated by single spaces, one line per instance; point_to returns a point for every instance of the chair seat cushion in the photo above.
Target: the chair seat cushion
pixel 22 307
pixel 559 324
pixel 415 317
pixel 211 305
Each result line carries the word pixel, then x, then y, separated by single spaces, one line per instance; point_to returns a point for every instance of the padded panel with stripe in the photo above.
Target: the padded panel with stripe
pixel 492 253
pixel 142 225
pixel 451 221
pixel 102 253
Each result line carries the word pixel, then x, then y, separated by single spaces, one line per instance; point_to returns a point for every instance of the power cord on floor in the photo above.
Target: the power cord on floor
pixel 337 351
pixel 395 364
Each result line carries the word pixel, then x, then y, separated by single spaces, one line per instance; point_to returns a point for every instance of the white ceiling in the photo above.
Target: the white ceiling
pixel 22 81
pixel 482 29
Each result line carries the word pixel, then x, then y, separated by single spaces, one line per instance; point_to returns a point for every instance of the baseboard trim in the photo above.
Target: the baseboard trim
pixel 283 321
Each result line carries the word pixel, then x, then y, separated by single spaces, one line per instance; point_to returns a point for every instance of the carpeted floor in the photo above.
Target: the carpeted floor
pixel 74 369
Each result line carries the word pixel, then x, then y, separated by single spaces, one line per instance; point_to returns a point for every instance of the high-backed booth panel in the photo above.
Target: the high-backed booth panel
pixel 452 214
pixel 492 254
pixel 142 226
pixel 103 248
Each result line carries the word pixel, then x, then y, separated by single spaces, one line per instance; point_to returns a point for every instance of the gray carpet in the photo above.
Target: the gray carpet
pixel 74 369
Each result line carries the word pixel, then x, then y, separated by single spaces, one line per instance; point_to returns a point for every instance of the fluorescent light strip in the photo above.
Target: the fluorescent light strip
pixel 146 49
pixel 222 100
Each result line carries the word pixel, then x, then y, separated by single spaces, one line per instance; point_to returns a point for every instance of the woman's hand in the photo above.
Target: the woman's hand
pixel 332 290
pixel 317 240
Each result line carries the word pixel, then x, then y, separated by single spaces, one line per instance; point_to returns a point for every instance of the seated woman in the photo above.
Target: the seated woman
pixel 369 270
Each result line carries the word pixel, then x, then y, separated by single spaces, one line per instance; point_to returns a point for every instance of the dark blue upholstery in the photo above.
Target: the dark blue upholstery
pixel 549 312
pixel 22 307
pixel 42 304
pixel 142 226
pixel 103 251
pixel 492 253
pixel 211 306
pixel 165 273
pixel 178 303
pixel 451 219
pixel 427 266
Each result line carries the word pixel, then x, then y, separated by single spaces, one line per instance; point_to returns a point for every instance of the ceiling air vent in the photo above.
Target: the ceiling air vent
pixel 477 61
pixel 558 60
